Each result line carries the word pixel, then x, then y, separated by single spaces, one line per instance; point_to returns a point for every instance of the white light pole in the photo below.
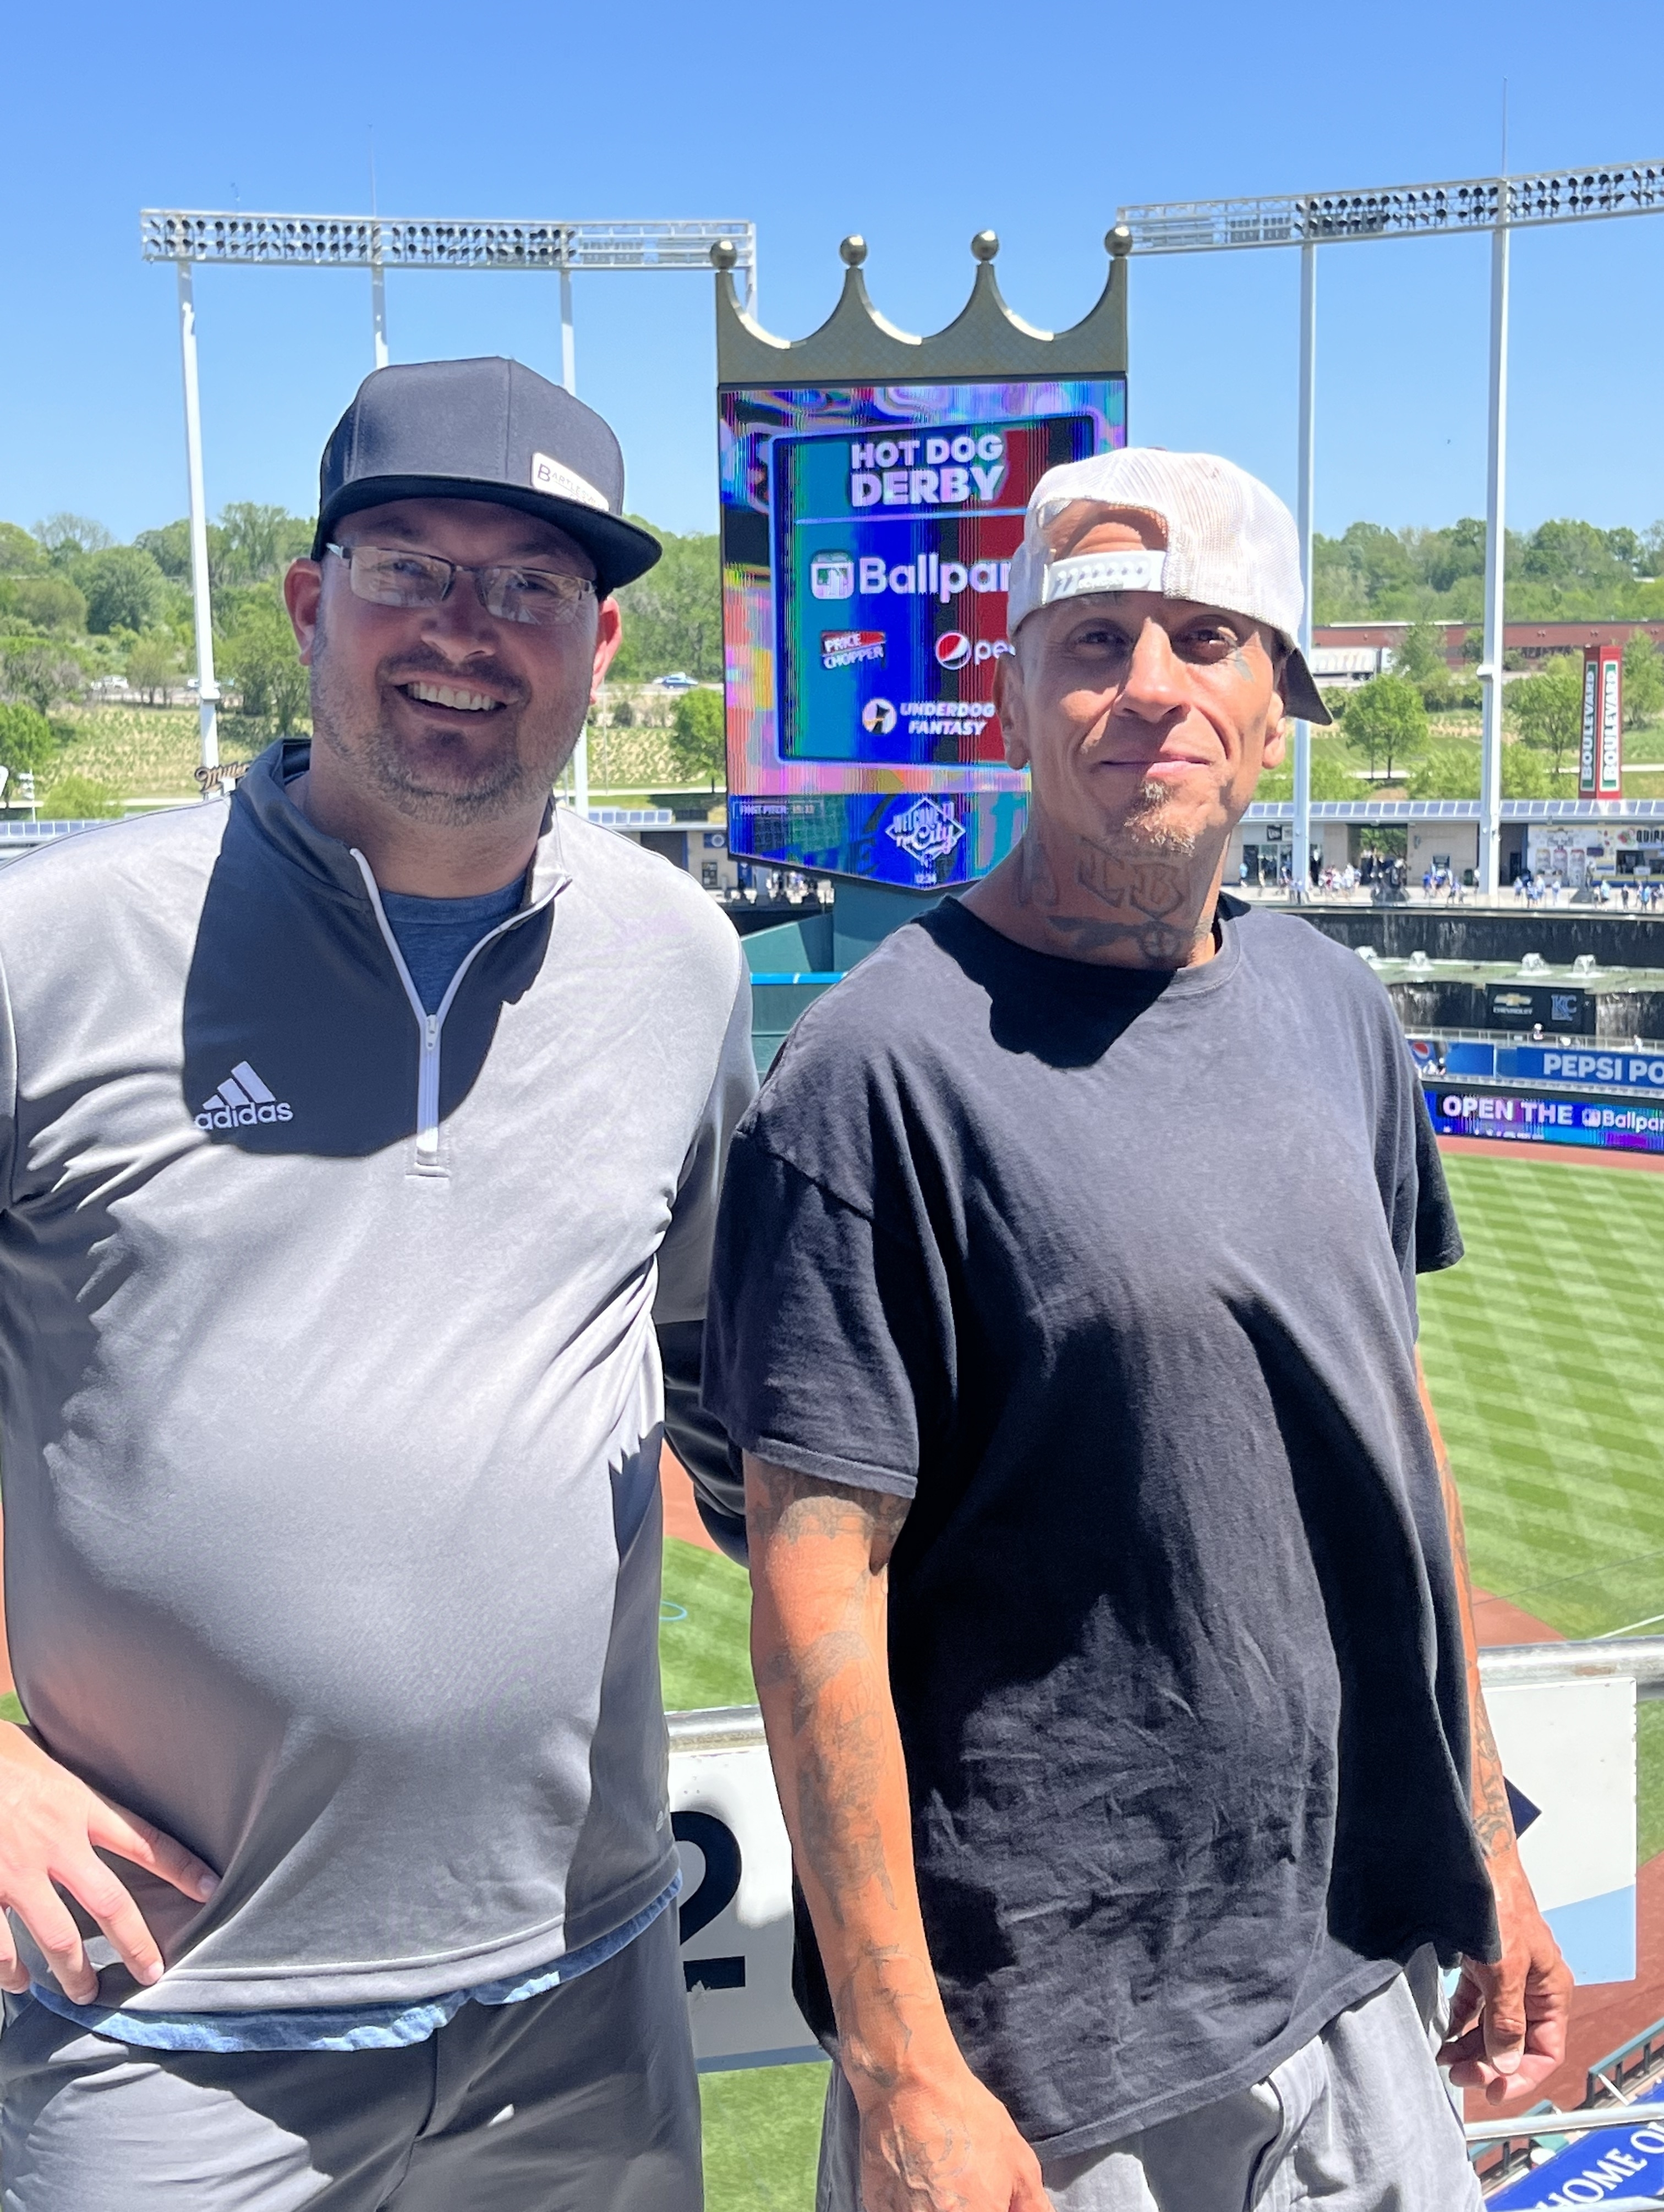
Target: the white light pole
pixel 1497 204
pixel 1302 861
pixel 202 608
pixel 1490 670
pixel 569 377
pixel 186 235
pixel 378 310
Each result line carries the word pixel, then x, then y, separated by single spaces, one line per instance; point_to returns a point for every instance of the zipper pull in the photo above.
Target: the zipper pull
pixel 433 1031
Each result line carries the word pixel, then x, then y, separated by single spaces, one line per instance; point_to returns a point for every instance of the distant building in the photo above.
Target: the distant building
pixel 1350 652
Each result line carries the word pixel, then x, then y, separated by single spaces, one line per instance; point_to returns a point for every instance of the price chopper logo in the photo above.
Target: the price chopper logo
pixel 957 471
pixel 925 832
pixel 844 648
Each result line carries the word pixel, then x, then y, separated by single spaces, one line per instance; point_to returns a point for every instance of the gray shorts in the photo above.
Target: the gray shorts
pixel 583 2100
pixel 1358 2121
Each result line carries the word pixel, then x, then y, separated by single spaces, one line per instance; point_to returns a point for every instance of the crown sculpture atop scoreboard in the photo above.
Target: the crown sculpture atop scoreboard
pixel 858 344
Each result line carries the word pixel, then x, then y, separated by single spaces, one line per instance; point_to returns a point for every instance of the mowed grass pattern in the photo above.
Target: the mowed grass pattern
pixel 1543 1350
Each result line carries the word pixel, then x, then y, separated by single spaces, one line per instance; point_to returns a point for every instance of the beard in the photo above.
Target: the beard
pixel 1151 828
pixel 449 780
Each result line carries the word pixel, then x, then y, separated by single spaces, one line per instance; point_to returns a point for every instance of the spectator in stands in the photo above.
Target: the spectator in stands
pixel 1112 1622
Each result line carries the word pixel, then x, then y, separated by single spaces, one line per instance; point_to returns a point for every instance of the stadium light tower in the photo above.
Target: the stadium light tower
pixel 378 243
pixel 1308 220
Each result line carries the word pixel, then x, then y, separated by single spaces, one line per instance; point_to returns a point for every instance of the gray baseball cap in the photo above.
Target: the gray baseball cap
pixel 1228 542
pixel 489 429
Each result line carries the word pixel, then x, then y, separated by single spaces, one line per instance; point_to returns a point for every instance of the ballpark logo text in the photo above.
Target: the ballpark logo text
pixel 883 472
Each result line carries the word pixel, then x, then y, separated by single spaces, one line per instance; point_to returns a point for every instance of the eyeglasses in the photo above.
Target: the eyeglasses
pixel 388 578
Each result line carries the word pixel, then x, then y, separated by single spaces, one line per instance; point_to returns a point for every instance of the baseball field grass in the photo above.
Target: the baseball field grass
pixel 1545 1350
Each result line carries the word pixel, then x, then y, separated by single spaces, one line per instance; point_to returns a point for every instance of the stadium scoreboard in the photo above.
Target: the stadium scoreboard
pixel 867 538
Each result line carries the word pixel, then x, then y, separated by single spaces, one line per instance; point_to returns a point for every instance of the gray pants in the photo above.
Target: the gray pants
pixel 583 2100
pixel 1357 2121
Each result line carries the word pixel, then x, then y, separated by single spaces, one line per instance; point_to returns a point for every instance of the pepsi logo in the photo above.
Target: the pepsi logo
pixel 953 649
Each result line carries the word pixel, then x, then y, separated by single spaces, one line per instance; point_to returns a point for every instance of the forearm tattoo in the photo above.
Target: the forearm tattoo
pixel 841 1732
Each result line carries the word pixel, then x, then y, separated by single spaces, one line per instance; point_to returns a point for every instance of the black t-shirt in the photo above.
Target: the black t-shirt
pixel 1113 1274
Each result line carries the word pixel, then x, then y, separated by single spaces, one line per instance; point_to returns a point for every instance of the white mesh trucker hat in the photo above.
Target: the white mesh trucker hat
pixel 1230 543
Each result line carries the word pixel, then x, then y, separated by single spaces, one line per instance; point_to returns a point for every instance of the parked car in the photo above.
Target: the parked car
pixel 677 681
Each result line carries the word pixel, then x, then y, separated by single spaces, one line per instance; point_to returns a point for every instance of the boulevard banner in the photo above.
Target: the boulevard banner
pixel 1600 754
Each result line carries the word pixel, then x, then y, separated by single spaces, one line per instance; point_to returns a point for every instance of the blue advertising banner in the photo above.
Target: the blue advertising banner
pixel 1613 2164
pixel 1518 1116
pixel 1615 1065
pixel 921 839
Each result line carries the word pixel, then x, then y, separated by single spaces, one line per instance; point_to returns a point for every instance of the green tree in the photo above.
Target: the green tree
pixel 170 549
pixel 26 743
pixel 151 665
pixel 258 543
pixel 1644 680
pixel 49 602
pixel 19 554
pixel 66 536
pixel 1524 775
pixel 1547 709
pixel 1387 722
pixel 40 674
pixel 1447 772
pixel 1418 657
pixel 123 586
pixel 697 742
pixel 262 664
pixel 673 615
pixel 78 799
pixel 1331 777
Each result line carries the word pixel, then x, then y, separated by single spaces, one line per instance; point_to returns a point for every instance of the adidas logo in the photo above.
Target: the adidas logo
pixel 241 1101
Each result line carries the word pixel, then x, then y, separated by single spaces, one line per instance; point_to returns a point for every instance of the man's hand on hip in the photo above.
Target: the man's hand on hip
pixel 945 2145
pixel 51 1827
pixel 1508 2022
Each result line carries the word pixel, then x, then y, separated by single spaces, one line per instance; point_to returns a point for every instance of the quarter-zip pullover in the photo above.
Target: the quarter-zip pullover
pixel 330 1400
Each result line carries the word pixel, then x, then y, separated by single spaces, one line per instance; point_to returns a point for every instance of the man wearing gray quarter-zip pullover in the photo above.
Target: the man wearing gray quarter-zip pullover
pixel 355 1135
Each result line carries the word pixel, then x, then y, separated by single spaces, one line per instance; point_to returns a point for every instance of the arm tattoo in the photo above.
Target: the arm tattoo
pixel 793 1506
pixel 838 1724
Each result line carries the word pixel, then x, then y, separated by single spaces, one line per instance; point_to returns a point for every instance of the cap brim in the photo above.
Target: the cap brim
pixel 1301 697
pixel 620 551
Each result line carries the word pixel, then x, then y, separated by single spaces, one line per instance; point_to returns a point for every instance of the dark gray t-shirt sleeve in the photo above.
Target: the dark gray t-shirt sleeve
pixel 697 1436
pixel 1420 1214
pixel 825 1337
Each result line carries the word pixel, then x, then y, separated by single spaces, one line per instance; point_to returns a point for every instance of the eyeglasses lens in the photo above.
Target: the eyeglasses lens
pixel 540 596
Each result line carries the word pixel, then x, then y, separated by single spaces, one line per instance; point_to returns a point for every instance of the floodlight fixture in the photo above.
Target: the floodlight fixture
pixel 233 238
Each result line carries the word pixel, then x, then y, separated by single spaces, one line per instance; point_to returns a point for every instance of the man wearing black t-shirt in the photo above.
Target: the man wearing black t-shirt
pixel 1112 1627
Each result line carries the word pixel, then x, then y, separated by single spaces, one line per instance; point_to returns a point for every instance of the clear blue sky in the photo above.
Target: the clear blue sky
pixel 914 126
